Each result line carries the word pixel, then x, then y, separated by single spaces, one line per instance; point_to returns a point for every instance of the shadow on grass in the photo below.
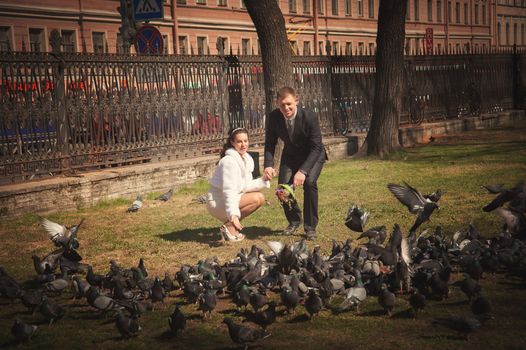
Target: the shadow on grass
pixel 374 313
pixel 299 318
pixel 205 235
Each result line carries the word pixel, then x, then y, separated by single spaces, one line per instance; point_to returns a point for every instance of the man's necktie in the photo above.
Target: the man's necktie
pixel 290 127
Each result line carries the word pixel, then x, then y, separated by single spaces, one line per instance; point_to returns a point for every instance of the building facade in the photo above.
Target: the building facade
pixel 313 26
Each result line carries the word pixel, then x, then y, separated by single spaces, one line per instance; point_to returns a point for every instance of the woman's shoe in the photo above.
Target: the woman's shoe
pixel 228 236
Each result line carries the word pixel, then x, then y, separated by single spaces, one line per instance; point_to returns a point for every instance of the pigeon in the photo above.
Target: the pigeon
pixel 481 306
pixel 57 286
pixel 23 331
pixel 354 296
pixel 165 196
pixel 356 218
pixel 494 188
pixel 386 299
pixel 515 221
pixel 207 302
pixel 61 235
pixel 142 267
pixel 136 205
pixel 415 202
pixel 94 279
pixel 435 196
pixel 469 286
pixel 202 199
pixel 242 296
pixel 51 310
pixel 417 301
pixel 376 235
pixel 157 293
pixel 127 326
pixel 464 325
pixel 266 317
pixel 244 335
pixel 289 298
pixel 32 299
pixel 257 300
pixel 503 197
pixel 313 304
pixel 168 283
pixel 177 321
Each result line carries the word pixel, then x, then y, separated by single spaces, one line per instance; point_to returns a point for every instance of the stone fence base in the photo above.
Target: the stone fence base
pixel 71 193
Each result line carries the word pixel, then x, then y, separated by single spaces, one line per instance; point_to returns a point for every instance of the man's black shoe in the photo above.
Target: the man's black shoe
pixel 289 230
pixel 310 235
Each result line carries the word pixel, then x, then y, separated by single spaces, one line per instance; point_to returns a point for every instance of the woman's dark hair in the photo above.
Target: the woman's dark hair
pixel 231 136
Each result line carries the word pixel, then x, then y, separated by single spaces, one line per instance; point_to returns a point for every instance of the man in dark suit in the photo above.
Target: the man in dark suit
pixel 302 158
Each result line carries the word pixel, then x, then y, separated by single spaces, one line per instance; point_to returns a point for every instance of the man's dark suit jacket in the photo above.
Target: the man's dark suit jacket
pixel 306 146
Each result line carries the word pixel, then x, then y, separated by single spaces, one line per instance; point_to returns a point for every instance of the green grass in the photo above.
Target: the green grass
pixel 169 234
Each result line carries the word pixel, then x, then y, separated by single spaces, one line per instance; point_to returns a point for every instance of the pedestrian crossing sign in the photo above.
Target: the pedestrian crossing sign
pixel 145 10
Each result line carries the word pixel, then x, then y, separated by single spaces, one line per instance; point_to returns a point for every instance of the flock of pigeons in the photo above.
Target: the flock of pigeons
pixel 258 281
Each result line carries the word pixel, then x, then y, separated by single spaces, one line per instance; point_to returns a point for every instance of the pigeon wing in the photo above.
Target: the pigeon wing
pixel 408 196
pixel 275 246
pixel 54 230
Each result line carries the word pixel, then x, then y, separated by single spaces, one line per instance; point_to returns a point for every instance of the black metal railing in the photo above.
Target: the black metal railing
pixel 66 112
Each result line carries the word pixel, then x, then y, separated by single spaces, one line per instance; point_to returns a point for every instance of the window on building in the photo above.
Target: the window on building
pixel 465 13
pixel 321 8
pixel 449 15
pixel 335 9
pixel 293 44
pixel 417 10
pixel 360 8
pixel 321 45
pixel 371 48
pixel 408 11
pixel 347 7
pixel 99 42
pixel 348 48
pixel 457 48
pixel 200 2
pixel 119 44
pixel 222 3
pixel 522 34
pixel 245 47
pixel 183 45
pixel 224 43
pixel 166 42
pixel 371 8
pixel 36 39
pixel 306 48
pixel 201 45
pixel 439 11
pixel 306 6
pixel 439 48
pixel 515 33
pixel 499 35
pixel 69 42
pixel 292 6
pixel 5 39
pixel 507 33
pixel 430 10
pixel 483 14
pixel 457 12
pixel 476 14
pixel 361 48
pixel 335 48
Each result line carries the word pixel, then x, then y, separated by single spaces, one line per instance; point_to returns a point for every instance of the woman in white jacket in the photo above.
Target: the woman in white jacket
pixel 233 193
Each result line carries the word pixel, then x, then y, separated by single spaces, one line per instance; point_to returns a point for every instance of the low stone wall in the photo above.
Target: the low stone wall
pixel 71 193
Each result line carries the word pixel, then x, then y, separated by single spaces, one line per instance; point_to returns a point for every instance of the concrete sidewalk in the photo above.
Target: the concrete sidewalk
pixel 64 193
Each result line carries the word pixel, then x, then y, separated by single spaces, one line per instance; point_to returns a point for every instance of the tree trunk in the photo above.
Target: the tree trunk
pixel 382 137
pixel 275 50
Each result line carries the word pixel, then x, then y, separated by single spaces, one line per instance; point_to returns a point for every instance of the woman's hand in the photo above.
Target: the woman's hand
pixel 236 223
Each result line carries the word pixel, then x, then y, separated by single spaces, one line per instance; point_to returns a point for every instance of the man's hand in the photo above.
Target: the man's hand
pixel 269 173
pixel 299 179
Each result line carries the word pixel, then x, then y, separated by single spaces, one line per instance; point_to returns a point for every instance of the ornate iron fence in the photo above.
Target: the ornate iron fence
pixel 62 113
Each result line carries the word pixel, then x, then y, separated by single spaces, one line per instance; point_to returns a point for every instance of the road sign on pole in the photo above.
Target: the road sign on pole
pixel 145 10
pixel 149 41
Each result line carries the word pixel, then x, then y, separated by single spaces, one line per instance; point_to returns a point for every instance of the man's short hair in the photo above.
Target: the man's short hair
pixel 285 91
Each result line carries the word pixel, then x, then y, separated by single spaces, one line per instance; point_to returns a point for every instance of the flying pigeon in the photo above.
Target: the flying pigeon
pixel 356 218
pixel 61 235
pixel 136 205
pixel 415 202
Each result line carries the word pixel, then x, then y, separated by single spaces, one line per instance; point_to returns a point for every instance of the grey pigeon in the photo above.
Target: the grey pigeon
pixel 177 321
pixel 23 331
pixel 51 310
pixel 356 218
pixel 290 298
pixel 417 301
pixel 61 235
pixel 127 326
pixel 136 205
pixel 415 202
pixel 354 296
pixel 32 299
pixel 375 234
pixel 464 325
pixel 244 335
pixel 386 299
pixel 166 196
pixel 515 221
pixel 469 286
pixel 313 304
pixel 267 316
pixel 207 302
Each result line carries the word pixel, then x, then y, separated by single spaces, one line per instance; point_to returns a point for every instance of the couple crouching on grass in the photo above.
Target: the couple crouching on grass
pixel 234 194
